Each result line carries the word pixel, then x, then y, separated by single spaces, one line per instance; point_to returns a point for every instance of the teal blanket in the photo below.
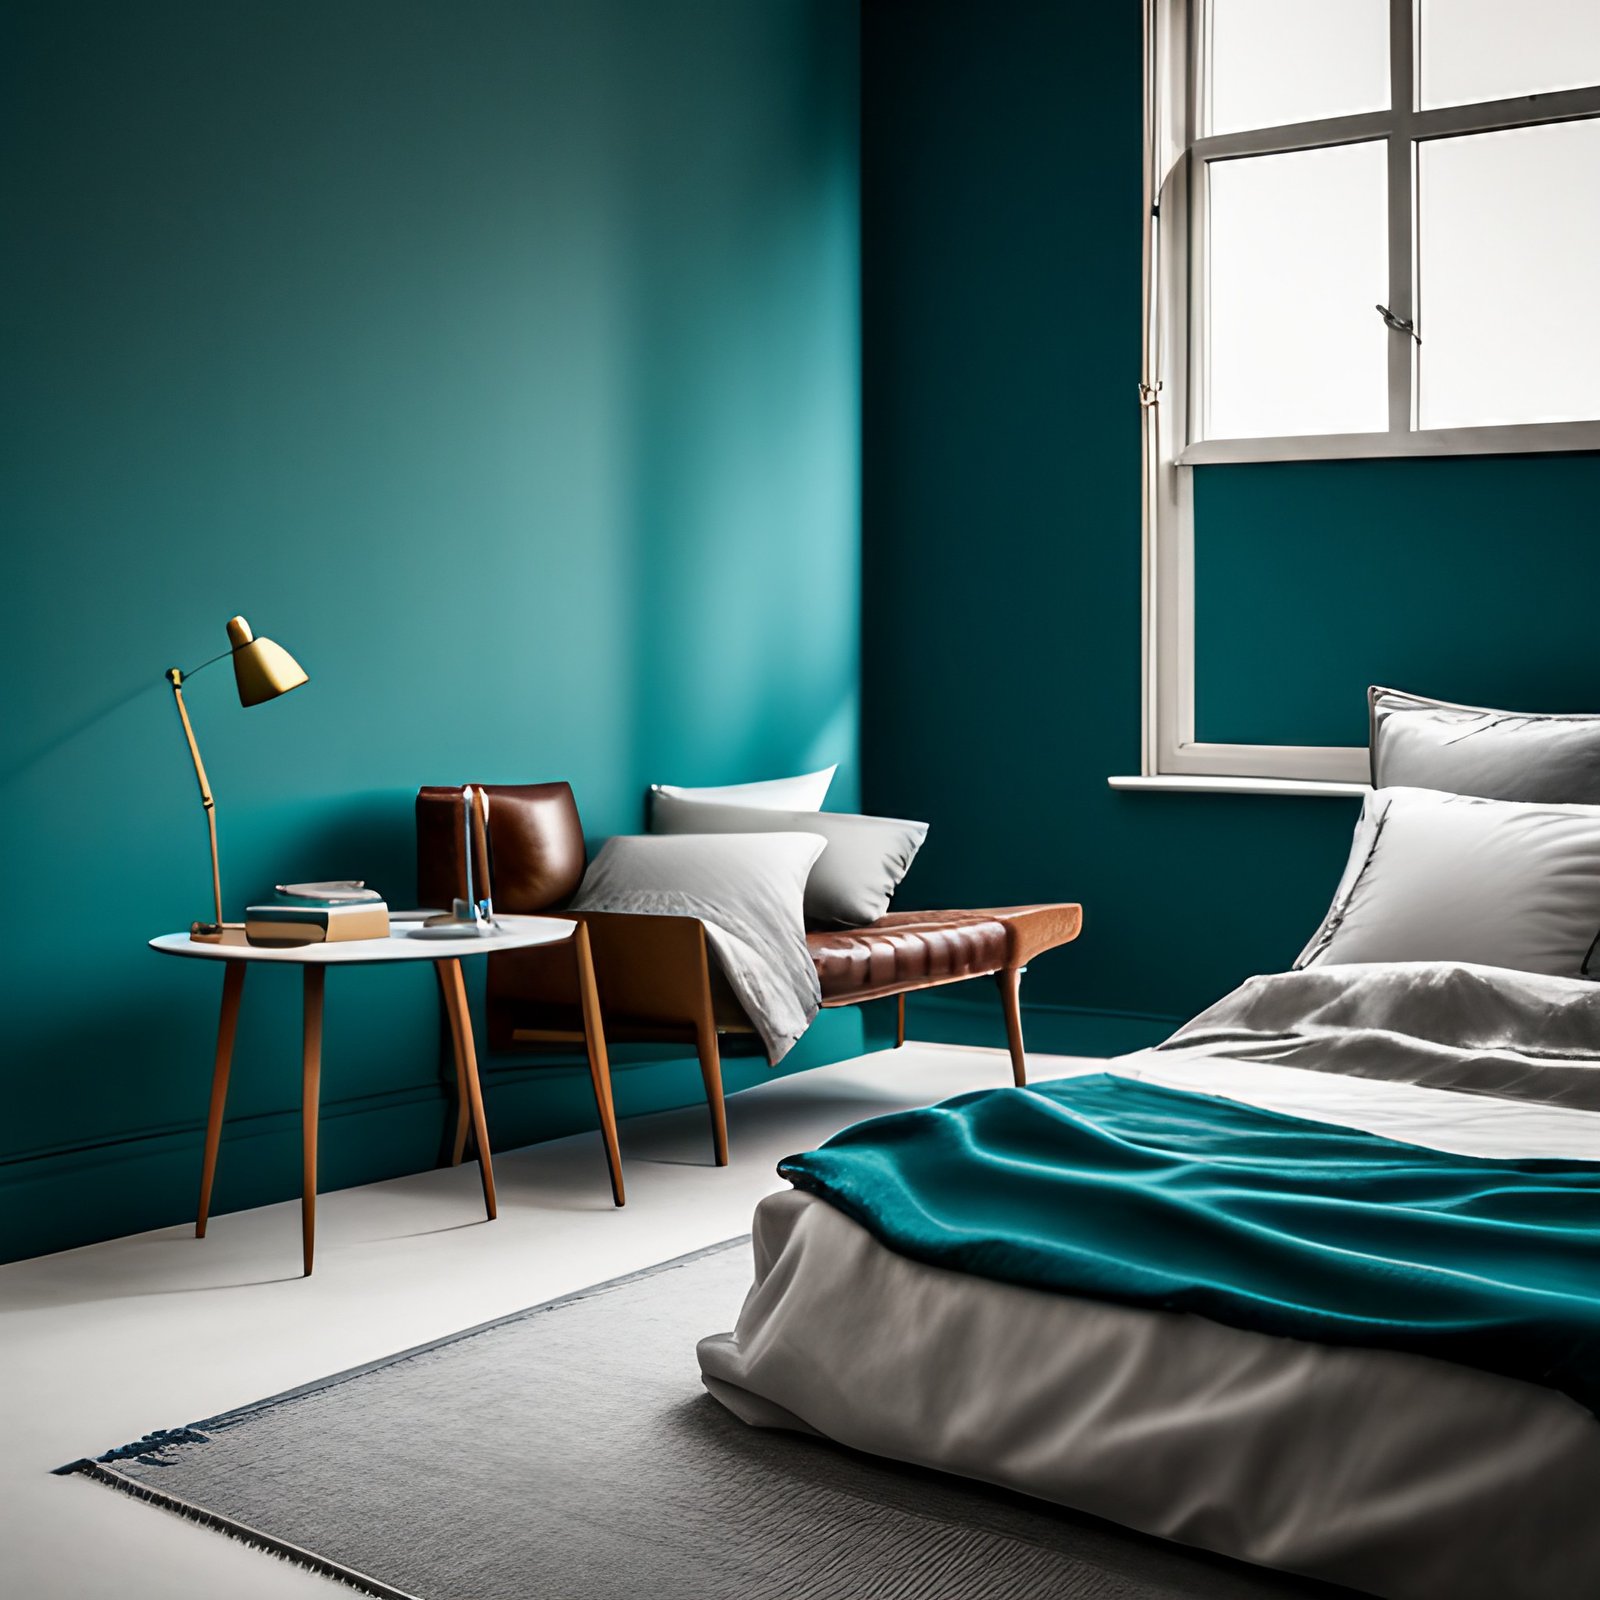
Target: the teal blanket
pixel 1120 1190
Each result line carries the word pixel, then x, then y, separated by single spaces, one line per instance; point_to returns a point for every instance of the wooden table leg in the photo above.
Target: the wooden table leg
pixel 310 1103
pixel 594 1039
pixel 463 1107
pixel 227 1028
pixel 455 999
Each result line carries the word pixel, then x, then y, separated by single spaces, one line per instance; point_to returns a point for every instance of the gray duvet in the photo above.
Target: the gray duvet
pixel 1447 1025
pixel 1404 1476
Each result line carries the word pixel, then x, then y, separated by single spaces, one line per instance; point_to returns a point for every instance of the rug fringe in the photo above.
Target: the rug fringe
pixel 242 1532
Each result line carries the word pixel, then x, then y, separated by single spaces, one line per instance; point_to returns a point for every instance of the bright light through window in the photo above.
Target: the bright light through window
pixel 1493 49
pixel 1277 61
pixel 1508 241
pixel 1421 257
pixel 1298 257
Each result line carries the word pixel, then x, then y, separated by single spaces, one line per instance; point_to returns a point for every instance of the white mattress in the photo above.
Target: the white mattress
pixel 1408 1477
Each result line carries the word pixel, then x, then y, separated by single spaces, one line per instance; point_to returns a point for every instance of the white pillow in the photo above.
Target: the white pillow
pixel 856 876
pixel 805 793
pixel 1451 877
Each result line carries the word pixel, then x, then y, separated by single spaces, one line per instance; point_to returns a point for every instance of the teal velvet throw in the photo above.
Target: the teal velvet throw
pixel 1120 1190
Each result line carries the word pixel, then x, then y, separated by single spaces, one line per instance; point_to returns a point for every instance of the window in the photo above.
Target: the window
pixel 1371 231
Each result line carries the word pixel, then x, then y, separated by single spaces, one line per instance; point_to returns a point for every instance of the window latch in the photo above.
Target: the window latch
pixel 1399 324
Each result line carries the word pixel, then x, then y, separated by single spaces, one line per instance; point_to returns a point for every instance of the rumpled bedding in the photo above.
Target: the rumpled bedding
pixel 1130 1191
pixel 1395 1474
pixel 1445 1025
pixel 1398 1473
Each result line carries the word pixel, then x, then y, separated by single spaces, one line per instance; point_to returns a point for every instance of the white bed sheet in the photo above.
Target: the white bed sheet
pixel 1407 1477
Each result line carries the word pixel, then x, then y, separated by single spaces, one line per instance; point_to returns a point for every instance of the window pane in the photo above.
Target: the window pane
pixel 1494 49
pixel 1508 237
pixel 1297 259
pixel 1278 61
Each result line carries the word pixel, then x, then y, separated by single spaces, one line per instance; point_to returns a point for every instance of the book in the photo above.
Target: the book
pixel 336 892
pixel 282 926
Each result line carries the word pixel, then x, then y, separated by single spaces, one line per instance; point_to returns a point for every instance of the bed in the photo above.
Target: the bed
pixel 1012 1288
pixel 1391 1471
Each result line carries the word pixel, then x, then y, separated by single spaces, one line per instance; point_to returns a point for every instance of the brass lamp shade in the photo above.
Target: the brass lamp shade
pixel 262 670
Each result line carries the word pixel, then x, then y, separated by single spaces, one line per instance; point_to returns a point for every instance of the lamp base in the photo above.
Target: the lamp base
pixel 216 933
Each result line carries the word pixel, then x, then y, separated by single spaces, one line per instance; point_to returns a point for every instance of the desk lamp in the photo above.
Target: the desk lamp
pixel 262 671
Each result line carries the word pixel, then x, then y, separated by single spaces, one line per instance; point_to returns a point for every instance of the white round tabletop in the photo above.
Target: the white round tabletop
pixel 406 942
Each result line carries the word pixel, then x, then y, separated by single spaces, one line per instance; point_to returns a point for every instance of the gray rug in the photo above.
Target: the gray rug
pixel 569 1453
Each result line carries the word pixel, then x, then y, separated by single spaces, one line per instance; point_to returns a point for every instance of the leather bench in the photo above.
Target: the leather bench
pixel 655 979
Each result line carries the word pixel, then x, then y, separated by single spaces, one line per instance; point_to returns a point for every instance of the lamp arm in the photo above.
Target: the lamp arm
pixel 175 678
pixel 203 665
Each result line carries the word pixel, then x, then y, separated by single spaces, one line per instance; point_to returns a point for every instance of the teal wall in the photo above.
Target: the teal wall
pixel 1473 580
pixel 501 360
pixel 1000 187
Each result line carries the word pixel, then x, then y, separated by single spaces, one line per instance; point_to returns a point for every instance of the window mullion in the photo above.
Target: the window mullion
pixel 1273 141
pixel 1402 210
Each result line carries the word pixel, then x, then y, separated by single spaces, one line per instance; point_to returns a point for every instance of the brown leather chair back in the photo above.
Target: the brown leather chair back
pixel 534 833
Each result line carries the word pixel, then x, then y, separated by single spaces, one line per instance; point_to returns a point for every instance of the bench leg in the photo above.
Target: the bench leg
pixel 705 1034
pixel 900 1022
pixel 1010 981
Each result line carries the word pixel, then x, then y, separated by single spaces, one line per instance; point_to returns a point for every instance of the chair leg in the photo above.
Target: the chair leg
pixel 1010 981
pixel 900 1022
pixel 594 1042
pixel 711 1072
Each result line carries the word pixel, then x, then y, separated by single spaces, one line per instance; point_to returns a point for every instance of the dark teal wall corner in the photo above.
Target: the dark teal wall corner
pixel 1001 680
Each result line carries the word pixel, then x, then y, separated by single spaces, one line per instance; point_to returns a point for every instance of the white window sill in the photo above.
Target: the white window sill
pixel 1171 783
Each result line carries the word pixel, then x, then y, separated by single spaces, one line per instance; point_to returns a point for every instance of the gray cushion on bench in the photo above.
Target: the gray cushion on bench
pixel 855 877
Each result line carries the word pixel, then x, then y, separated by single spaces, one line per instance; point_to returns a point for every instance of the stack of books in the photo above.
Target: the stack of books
pixel 317 913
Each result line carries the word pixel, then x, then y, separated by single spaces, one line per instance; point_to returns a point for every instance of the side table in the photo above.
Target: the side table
pixel 402 944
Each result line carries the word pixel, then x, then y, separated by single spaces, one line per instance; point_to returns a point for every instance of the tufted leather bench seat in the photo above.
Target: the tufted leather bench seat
pixel 911 950
pixel 906 950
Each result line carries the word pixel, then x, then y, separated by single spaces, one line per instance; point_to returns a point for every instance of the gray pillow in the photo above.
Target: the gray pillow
pixel 1450 877
pixel 1499 755
pixel 748 892
pixel 854 878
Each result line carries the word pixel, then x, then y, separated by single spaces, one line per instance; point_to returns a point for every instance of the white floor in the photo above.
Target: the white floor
pixel 99 1346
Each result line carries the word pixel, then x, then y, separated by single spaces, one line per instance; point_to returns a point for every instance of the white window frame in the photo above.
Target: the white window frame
pixel 1175 157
